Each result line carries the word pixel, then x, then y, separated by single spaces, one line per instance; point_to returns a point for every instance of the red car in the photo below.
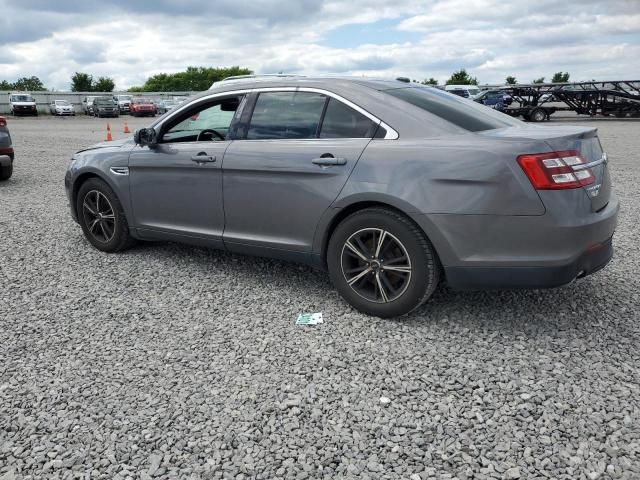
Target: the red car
pixel 6 151
pixel 142 106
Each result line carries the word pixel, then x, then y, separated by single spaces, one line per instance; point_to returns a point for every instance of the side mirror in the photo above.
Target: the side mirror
pixel 145 136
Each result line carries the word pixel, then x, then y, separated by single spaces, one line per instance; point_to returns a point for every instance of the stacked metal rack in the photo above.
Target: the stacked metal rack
pixel 538 101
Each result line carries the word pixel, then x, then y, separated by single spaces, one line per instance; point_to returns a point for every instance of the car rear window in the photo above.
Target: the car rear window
pixel 463 113
pixel 341 121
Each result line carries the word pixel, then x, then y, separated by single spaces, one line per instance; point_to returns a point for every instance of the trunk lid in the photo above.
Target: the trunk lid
pixel 561 138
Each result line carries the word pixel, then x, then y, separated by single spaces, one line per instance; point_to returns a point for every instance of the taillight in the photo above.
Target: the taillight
pixel 556 170
pixel 3 122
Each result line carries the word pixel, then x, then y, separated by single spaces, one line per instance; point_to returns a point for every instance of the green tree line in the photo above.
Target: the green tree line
pixel 27 84
pixel 193 79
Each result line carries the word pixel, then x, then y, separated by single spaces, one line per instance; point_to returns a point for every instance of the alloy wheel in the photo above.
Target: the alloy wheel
pixel 99 216
pixel 376 265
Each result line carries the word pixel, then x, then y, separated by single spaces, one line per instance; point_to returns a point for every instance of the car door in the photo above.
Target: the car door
pixel 176 184
pixel 287 168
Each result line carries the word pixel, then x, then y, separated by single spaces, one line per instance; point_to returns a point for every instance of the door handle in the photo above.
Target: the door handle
pixel 329 160
pixel 202 157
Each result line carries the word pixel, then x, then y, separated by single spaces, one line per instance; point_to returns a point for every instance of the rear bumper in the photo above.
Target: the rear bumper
pixel 487 278
pixel 492 252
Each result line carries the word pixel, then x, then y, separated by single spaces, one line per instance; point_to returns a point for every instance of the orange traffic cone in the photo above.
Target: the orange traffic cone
pixel 126 128
pixel 109 137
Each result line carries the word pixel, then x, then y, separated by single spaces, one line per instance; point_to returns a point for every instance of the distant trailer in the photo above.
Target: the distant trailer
pixel 538 101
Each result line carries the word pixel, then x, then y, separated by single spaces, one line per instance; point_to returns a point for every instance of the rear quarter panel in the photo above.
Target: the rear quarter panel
pixel 459 174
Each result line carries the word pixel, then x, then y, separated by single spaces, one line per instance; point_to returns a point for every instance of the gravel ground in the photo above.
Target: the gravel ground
pixel 169 361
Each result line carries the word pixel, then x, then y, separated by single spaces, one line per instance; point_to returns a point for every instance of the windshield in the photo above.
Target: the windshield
pixel 22 98
pixel 474 91
pixel 62 103
pixel 124 97
pixel 104 100
pixel 463 113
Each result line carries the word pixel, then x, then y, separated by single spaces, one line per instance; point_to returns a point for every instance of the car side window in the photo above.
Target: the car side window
pixel 207 122
pixel 342 121
pixel 286 115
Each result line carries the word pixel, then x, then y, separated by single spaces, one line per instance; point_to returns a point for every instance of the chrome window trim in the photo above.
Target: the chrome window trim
pixel 391 133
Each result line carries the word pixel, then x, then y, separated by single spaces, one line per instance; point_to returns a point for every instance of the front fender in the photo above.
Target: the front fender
pixel 98 163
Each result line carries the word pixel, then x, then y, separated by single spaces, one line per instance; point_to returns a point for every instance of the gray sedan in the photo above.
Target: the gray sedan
pixel 391 187
pixel 61 107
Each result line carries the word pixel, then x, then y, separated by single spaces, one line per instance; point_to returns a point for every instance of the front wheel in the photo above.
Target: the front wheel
pixel 382 263
pixel 101 217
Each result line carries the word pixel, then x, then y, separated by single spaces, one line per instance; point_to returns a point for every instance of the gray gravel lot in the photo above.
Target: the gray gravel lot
pixel 170 361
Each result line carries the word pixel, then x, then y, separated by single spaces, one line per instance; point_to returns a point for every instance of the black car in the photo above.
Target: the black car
pixel 6 151
pixel 105 107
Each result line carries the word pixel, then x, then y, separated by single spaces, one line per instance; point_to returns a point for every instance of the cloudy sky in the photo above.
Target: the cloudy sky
pixel 130 40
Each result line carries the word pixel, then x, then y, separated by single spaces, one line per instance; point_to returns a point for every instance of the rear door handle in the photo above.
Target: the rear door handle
pixel 202 157
pixel 325 161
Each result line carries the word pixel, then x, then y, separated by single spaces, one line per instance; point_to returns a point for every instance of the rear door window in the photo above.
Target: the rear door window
pixel 286 115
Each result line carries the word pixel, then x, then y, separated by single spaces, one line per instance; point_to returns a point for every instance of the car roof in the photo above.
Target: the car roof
pixel 251 82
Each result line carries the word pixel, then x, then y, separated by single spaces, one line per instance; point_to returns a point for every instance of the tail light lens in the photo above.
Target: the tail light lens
pixel 3 122
pixel 556 170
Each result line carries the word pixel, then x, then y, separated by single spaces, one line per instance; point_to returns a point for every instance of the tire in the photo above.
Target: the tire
pixel 110 232
pixel 401 239
pixel 538 115
pixel 6 172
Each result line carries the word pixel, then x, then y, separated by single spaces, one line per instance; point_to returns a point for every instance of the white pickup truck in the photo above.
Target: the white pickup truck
pixel 124 102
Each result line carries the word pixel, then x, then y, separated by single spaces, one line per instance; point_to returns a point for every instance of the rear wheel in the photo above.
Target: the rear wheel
pixel 382 263
pixel 101 217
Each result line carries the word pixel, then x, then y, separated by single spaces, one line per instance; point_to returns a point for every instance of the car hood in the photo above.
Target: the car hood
pixel 126 142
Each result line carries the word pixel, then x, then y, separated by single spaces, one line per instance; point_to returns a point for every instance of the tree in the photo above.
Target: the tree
pixel 560 77
pixel 538 80
pixel 29 84
pixel 104 84
pixel 81 82
pixel 510 80
pixel 193 79
pixel 461 77
pixel 430 81
pixel 4 85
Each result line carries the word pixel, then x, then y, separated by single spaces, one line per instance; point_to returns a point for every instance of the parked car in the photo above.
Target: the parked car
pixel 22 104
pixel 496 99
pixel 87 105
pixel 143 106
pixel 105 107
pixel 392 187
pixel 124 102
pixel 6 151
pixel 465 91
pixel 165 106
pixel 61 107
